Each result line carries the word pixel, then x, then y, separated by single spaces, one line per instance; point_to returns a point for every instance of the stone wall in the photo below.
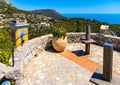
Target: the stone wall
pixel 100 39
pixel 31 48
pixel 23 54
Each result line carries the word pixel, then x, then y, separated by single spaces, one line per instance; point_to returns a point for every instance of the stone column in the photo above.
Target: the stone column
pixel 107 61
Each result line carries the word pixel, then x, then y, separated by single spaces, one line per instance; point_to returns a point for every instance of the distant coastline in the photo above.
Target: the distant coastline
pixel 109 18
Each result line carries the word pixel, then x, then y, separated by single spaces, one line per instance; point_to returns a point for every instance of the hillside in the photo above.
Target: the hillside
pixel 42 22
pixel 6 2
pixel 35 18
pixel 49 13
pixel 8 9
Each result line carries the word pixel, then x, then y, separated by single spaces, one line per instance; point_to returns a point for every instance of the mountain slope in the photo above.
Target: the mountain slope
pixel 8 9
pixel 49 12
pixel 6 1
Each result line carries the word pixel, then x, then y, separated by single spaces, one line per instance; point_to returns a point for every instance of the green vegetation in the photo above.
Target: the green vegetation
pixel 49 13
pixel 48 16
pixel 36 32
pixel 5 45
pixel 59 32
pixel 78 25
pixel 116 29
pixel 5 8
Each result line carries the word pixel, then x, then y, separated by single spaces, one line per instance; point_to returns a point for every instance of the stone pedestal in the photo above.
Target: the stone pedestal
pixel 107 61
pixel 104 76
pixel 97 78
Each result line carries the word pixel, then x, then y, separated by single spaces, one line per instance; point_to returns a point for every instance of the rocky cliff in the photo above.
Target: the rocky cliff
pixel 6 1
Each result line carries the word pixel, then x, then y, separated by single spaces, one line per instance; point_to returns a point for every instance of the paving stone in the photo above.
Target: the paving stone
pixel 50 68
pixel 58 71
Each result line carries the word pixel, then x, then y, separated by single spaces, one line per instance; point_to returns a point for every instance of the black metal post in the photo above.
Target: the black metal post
pixel 13 54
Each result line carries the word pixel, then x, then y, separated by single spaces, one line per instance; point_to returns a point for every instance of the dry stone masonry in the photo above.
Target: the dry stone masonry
pixel 25 53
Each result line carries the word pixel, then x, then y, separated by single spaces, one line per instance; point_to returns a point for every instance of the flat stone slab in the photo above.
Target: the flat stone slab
pixel 88 41
pixel 98 79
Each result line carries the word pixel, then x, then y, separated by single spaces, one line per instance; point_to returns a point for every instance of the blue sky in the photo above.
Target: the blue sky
pixel 70 6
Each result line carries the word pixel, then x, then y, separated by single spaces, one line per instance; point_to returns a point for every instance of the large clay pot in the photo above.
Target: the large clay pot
pixel 59 44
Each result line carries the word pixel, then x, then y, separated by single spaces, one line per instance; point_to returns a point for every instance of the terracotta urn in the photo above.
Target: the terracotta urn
pixel 59 44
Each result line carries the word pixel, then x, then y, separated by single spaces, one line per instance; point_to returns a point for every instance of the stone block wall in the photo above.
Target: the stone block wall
pixel 32 47
pixel 22 56
pixel 100 39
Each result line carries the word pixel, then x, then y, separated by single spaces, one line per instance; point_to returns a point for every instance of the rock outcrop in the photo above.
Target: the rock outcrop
pixel 6 1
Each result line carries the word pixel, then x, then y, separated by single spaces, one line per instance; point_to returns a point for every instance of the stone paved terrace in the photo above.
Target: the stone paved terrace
pixel 66 68
pixel 36 63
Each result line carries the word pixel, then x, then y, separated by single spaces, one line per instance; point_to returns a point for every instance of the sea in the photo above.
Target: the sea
pixel 109 18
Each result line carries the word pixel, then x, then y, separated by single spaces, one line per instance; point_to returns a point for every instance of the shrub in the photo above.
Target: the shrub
pixel 59 33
